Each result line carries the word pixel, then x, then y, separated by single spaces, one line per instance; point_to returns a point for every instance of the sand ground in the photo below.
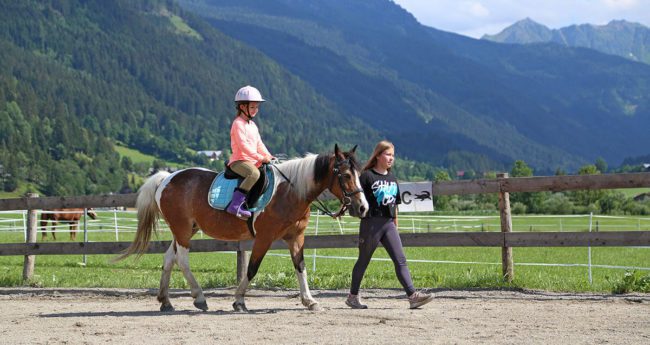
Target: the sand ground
pixel 112 316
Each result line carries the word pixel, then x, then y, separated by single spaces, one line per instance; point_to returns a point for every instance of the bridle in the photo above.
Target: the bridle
pixel 347 195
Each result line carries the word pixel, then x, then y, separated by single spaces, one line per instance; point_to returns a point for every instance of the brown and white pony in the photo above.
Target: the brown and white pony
pixel 64 215
pixel 182 200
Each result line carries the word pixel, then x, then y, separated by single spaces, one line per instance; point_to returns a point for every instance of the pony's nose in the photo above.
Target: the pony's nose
pixel 362 211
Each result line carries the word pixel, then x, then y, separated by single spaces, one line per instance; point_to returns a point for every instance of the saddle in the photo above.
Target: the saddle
pixel 223 186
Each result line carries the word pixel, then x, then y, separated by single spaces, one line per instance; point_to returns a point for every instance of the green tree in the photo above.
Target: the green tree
pixel 488 198
pixel 441 202
pixel 601 165
pixel 557 203
pixel 127 164
pixel 521 169
pixel 588 198
pixel 157 164
pixel 612 202
pixel 533 201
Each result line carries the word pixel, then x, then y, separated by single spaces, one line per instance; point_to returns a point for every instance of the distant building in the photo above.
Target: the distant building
pixel 646 166
pixel 212 155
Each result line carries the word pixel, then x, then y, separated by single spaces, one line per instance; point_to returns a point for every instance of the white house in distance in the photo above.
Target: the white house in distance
pixel 212 155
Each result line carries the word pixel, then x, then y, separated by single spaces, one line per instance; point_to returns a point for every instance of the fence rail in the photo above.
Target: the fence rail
pixel 444 239
pixel 506 239
pixel 542 184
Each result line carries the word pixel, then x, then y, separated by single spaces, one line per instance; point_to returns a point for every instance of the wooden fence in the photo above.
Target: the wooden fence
pixel 506 239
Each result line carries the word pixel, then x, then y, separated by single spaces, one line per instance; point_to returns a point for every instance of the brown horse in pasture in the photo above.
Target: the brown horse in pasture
pixel 70 216
pixel 182 200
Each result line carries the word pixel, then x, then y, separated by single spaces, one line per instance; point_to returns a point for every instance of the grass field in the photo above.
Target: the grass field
pixel 139 157
pixel 632 192
pixel 553 269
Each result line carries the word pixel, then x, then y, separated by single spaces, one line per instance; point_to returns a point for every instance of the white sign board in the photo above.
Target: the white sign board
pixel 416 197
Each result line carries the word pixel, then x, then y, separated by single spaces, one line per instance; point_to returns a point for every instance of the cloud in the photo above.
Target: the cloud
pixel 478 10
pixel 621 4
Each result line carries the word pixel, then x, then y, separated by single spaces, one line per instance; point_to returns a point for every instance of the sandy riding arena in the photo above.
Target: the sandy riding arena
pixel 100 316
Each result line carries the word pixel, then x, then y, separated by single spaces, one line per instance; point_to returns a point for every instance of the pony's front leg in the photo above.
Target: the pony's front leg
pixel 43 230
pixel 53 229
pixel 183 261
pixel 296 250
pixel 73 231
pixel 260 247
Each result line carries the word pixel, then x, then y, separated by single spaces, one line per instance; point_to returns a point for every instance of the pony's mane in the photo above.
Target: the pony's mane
pixel 304 173
pixel 301 172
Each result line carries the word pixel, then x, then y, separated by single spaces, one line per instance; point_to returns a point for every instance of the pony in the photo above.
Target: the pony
pixel 181 199
pixel 65 215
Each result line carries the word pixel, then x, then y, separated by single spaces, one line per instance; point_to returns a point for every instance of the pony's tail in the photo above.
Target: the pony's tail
pixel 148 215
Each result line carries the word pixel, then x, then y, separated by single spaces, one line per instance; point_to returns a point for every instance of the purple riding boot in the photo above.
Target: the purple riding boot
pixel 237 205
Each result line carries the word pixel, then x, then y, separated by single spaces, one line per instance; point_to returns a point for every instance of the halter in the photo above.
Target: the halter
pixel 347 195
pixel 347 200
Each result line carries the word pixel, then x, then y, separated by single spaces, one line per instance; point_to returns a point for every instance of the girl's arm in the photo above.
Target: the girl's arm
pixel 261 149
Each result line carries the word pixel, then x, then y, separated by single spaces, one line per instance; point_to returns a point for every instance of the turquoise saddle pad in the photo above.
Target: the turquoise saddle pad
pixel 221 190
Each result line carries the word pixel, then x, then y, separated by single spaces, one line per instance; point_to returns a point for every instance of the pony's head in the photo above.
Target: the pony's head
pixel 92 214
pixel 345 182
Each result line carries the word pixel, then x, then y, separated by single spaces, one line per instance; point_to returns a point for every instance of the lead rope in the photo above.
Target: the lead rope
pixel 325 210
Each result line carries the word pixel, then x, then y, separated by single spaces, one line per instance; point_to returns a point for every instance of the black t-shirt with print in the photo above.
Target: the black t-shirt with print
pixel 382 193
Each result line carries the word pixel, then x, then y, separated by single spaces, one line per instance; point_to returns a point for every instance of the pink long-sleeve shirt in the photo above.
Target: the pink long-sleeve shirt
pixel 246 143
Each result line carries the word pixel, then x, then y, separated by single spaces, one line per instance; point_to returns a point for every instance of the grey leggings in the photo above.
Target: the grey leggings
pixel 372 231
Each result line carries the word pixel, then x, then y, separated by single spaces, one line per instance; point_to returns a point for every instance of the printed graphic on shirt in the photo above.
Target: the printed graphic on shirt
pixel 385 192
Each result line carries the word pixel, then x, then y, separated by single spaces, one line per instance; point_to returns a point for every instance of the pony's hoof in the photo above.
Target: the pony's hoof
pixel 166 308
pixel 314 307
pixel 240 307
pixel 201 305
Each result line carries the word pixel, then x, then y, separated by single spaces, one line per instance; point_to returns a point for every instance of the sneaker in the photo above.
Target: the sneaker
pixel 354 302
pixel 418 299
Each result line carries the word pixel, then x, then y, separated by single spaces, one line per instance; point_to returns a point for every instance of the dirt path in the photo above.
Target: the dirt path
pixel 94 316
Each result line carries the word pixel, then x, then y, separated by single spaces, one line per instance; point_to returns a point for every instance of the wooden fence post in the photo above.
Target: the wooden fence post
pixel 28 266
pixel 242 264
pixel 507 264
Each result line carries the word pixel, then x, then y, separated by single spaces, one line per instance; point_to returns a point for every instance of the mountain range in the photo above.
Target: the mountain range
pixel 445 98
pixel 618 37
pixel 78 76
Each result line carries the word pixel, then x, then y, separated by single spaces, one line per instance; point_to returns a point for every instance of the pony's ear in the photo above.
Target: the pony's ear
pixel 337 152
pixel 354 149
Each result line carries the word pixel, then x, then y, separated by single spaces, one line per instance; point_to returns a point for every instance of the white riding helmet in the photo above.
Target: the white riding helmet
pixel 248 94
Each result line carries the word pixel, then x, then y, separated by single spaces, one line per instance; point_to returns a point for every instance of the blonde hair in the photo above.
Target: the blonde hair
pixel 379 149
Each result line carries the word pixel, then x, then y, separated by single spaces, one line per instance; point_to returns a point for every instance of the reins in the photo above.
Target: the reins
pixel 347 196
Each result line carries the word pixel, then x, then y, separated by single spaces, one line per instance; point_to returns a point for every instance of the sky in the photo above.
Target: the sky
pixel 475 18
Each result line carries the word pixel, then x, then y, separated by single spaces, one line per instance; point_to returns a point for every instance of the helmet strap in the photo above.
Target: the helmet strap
pixel 245 111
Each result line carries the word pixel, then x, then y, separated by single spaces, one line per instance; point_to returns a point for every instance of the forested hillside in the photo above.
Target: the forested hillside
pixel 77 76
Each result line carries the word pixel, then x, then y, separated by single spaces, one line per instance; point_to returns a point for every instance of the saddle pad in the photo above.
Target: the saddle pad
pixel 221 190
